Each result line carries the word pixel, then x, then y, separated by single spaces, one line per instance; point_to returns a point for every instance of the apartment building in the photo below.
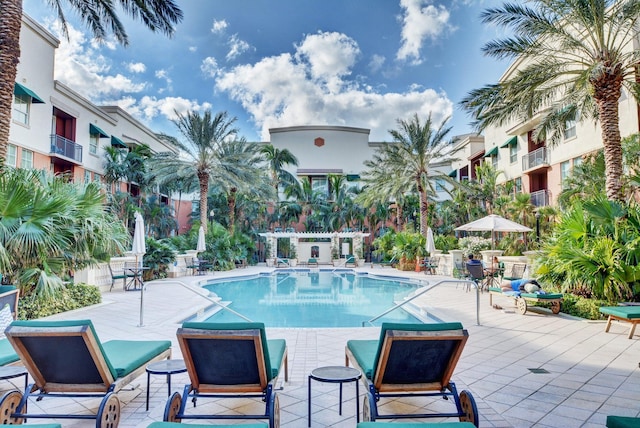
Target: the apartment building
pixel 56 129
pixel 536 167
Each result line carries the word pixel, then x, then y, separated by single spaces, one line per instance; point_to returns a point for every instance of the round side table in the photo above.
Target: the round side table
pixel 164 367
pixel 340 375
pixel 10 372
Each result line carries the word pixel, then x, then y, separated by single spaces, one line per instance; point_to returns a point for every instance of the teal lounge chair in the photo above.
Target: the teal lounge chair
pixel 622 422
pixel 229 360
pixel 415 425
pixel 8 297
pixel 66 359
pixel 412 360
pixel 630 314
pixel 350 260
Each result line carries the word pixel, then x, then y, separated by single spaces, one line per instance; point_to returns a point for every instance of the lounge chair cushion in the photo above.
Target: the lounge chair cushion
pixel 127 355
pixel 7 353
pixel 367 352
pixel 416 425
pixel 627 312
pixel 273 349
pixel 545 296
pixel 178 425
pixel 622 422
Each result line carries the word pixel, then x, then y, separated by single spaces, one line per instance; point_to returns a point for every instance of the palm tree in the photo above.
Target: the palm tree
pixel 99 16
pixel 208 154
pixel 574 58
pixel 403 165
pixel 278 159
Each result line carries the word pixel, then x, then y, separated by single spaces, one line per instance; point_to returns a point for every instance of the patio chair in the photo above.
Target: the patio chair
pixel 350 260
pixel 516 272
pixel 8 313
pixel 431 265
pixel 622 422
pixel 476 274
pixel 118 272
pixel 412 360
pixel 66 359
pixel 312 262
pixel 229 360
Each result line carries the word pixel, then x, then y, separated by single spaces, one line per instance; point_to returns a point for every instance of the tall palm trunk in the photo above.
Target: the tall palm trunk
pixel 231 203
pixel 10 23
pixel 607 95
pixel 203 179
pixel 424 207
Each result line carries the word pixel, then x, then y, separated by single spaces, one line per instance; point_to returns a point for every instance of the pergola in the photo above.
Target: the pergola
pixel 303 241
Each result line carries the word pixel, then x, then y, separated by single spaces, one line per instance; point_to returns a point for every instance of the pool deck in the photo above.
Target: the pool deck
pixel 587 373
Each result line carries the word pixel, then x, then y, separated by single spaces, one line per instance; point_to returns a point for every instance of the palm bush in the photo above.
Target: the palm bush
pixel 407 247
pixel 50 227
pixel 594 250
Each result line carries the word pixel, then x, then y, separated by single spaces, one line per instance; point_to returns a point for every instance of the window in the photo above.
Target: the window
pixel 513 153
pixel 21 104
pixel 439 185
pixel 320 185
pixel 27 159
pixel 87 176
pixel 12 154
pixel 94 141
pixel 494 161
pixel 565 172
pixel 577 162
pixel 570 129
pixel 518 182
pixel 96 177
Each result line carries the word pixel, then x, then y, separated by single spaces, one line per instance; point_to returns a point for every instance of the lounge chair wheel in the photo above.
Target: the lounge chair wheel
pixel 367 408
pixel 172 408
pixel 469 408
pixel 555 307
pixel 8 405
pixel 522 305
pixel 109 412
pixel 274 411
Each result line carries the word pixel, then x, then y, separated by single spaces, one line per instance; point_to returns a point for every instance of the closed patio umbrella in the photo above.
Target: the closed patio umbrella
pixel 431 244
pixel 139 248
pixel 202 246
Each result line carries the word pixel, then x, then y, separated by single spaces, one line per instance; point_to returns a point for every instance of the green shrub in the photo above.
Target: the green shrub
pixel 582 307
pixel 72 296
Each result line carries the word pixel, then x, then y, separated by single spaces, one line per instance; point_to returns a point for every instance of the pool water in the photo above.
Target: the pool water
pixel 311 299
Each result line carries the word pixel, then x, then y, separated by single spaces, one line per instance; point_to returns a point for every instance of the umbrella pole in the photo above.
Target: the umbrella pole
pixel 141 298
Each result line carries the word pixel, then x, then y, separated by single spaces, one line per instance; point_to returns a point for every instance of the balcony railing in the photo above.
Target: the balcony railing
pixel 67 148
pixel 535 159
pixel 540 198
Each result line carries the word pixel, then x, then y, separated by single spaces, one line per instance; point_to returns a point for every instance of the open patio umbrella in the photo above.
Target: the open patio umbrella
pixel 202 246
pixel 431 244
pixel 493 223
pixel 139 248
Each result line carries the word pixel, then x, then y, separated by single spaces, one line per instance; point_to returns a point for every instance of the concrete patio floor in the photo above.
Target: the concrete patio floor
pixel 588 374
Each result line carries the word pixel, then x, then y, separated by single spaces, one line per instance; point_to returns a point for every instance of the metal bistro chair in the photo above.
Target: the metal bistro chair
pixel 476 274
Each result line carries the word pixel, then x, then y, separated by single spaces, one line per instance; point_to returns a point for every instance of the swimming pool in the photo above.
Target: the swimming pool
pixel 311 299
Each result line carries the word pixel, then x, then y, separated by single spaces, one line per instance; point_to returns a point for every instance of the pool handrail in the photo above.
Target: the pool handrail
pixel 430 287
pixel 194 290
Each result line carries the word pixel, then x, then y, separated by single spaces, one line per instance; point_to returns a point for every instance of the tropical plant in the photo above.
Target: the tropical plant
pixel 403 166
pixel 474 244
pixel 573 60
pixel 207 139
pixel 407 247
pixel 100 17
pixel 278 159
pixel 595 248
pixel 50 227
pixel 159 256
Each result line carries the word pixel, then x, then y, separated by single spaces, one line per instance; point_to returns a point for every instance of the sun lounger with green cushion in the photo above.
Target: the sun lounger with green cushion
pixel 416 425
pixel 66 359
pixel 622 422
pixel 179 425
pixel 412 360
pixel 630 314
pixel 554 300
pixel 229 360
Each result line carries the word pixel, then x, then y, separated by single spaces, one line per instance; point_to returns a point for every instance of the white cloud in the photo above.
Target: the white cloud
pixel 236 47
pixel 420 20
pixel 311 87
pixel 148 108
pixel 376 63
pixel 219 27
pixel 193 48
pixel 136 67
pixel 164 75
pixel 80 65
pixel 330 56
pixel 209 66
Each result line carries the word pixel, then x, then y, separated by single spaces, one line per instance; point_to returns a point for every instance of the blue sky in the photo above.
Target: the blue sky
pixel 274 63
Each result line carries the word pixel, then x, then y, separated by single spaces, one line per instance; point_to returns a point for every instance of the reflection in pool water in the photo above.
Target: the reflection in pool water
pixel 311 299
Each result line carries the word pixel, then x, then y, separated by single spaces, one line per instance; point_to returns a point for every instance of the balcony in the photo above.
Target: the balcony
pixel 62 147
pixel 540 198
pixel 535 159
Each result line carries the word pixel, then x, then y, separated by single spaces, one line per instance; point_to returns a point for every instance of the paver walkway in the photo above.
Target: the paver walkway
pixel 580 373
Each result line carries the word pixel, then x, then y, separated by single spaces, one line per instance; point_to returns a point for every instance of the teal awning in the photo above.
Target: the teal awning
pixel 93 129
pixel 115 141
pixel 454 173
pixel 19 89
pixel 510 142
pixel 491 152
